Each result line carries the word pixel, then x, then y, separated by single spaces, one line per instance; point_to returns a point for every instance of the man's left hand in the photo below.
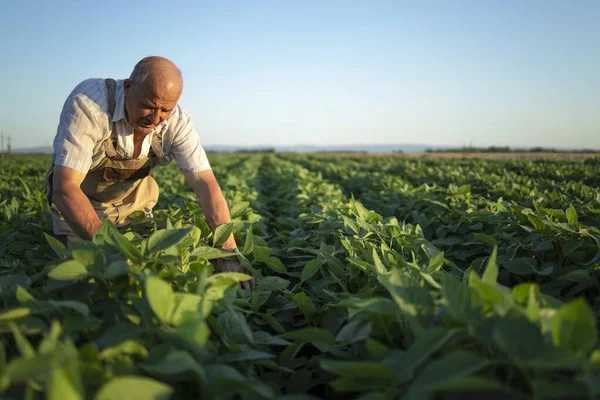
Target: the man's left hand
pixel 223 265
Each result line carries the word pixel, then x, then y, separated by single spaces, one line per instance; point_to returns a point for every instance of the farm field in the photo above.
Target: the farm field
pixel 377 277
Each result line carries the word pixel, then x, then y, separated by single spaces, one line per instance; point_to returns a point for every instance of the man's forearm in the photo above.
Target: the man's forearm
pixel 75 207
pixel 217 213
pixel 213 203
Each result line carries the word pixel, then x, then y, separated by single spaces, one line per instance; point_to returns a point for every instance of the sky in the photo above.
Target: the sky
pixel 440 73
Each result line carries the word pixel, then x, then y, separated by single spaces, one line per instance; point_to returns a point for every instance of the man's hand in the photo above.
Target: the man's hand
pixel 223 265
pixel 207 190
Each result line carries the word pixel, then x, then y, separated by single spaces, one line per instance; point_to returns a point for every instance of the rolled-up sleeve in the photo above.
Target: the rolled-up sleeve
pixel 78 130
pixel 186 148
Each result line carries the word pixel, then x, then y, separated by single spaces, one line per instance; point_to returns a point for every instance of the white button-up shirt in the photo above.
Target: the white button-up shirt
pixel 85 124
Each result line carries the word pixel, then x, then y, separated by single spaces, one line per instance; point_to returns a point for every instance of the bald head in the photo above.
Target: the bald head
pixel 157 72
pixel 151 93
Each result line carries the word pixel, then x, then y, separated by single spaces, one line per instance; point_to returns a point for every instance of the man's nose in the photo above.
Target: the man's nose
pixel 156 116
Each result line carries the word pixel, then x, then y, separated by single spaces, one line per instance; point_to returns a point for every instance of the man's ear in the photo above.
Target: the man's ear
pixel 127 85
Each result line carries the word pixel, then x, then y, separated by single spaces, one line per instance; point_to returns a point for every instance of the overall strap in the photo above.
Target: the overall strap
pixel 156 144
pixel 111 88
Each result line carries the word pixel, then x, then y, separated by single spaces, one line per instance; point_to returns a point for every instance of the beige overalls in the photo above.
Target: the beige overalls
pixel 115 187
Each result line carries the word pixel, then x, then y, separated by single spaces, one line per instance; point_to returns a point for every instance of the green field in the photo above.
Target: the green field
pixel 377 277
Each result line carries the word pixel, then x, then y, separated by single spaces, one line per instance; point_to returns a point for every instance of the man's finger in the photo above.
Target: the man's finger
pixel 246 286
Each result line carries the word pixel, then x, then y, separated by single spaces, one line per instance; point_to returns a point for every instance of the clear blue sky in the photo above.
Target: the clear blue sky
pixel 518 73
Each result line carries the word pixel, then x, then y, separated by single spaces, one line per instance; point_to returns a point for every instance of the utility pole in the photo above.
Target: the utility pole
pixel 8 147
pixel 1 142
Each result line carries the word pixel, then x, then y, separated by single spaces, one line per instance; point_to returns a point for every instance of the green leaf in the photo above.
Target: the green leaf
pixel 375 305
pixel 448 369
pixel 304 303
pixel 160 297
pixel 25 348
pixel 361 370
pixel 237 210
pixel 312 335
pixel 276 265
pixel 354 331
pixel 22 295
pixel 463 302
pixel 496 296
pixel 574 327
pixel 528 345
pixel 272 321
pixel 59 248
pixel 533 304
pixel 482 237
pixel 376 350
pixel 521 266
pixel 476 384
pixel 225 379
pixel 217 290
pixel 272 284
pixel 571 213
pixel 436 262
pixel 414 302
pixel 127 347
pixel 261 337
pixel 555 388
pixel 379 267
pixel 175 362
pixel 245 355
pixel 210 253
pixel 134 388
pixel 261 253
pixel 20 370
pixel 232 276
pixel 311 268
pixel 522 291
pixel 77 306
pixel 68 271
pixel 14 314
pixel 249 242
pixel 490 276
pixel 89 257
pixel 125 246
pixel 164 239
pixel 195 332
pixel 115 269
pixel 578 275
pixel 61 387
pixel 222 233
pixel 50 341
pixel 425 344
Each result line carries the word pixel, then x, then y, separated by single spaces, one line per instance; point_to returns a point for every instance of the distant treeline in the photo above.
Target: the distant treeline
pixel 507 149
pixel 342 151
pixel 257 150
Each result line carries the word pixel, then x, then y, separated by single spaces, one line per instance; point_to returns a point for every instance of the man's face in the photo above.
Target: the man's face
pixel 147 104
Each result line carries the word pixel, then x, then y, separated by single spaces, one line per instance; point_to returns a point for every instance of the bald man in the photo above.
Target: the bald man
pixel 110 136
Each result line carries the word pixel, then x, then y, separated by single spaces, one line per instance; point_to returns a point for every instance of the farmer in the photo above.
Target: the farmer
pixel 110 136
